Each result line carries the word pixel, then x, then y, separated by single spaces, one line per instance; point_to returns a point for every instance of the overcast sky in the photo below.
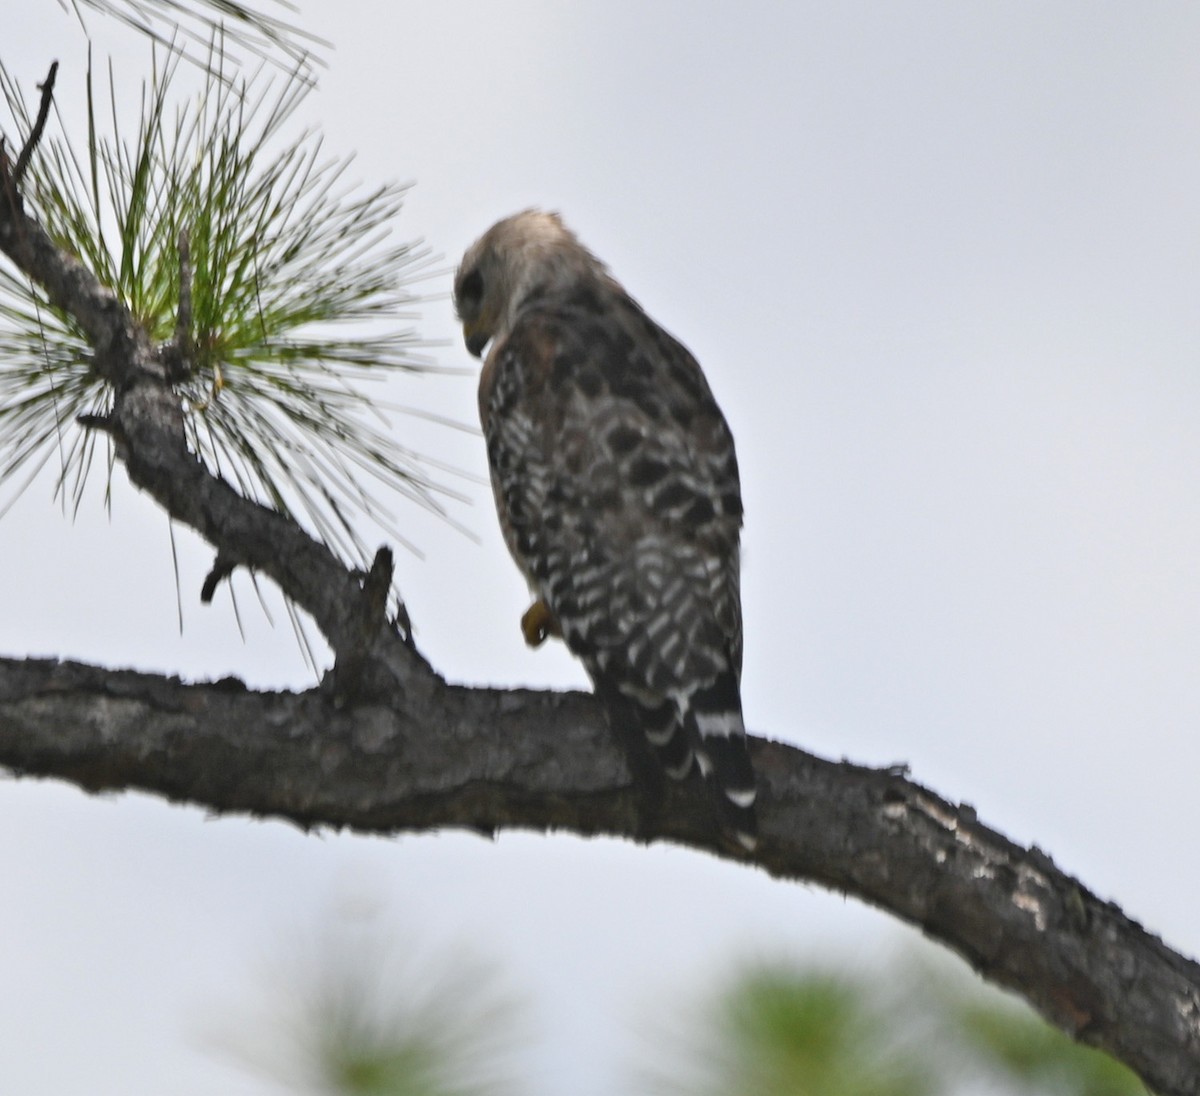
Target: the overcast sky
pixel 941 264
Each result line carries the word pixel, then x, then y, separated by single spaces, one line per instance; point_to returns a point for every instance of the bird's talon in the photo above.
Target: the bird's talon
pixel 539 624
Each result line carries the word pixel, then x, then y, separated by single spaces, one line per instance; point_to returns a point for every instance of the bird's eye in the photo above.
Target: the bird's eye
pixel 470 290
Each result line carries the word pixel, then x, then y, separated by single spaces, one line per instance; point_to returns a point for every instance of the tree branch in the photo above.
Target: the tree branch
pixel 400 749
pixel 488 759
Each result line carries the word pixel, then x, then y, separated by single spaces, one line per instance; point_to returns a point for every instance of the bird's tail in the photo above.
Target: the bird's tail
pixel 713 718
pixel 669 739
pixel 706 729
pixel 636 726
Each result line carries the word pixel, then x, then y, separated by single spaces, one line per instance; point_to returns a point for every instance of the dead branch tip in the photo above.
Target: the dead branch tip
pixel 222 568
pixel 35 134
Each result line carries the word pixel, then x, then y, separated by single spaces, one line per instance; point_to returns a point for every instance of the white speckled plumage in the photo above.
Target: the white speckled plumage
pixel 616 483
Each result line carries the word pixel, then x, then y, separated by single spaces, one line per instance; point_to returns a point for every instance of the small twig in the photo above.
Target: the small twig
pixel 90 421
pixel 222 568
pixel 376 584
pixel 35 134
pixel 351 665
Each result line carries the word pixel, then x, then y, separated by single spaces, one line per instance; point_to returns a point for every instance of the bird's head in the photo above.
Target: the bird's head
pixel 527 253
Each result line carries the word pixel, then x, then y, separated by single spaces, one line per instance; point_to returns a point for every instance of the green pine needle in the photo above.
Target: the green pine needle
pixel 187 24
pixel 297 290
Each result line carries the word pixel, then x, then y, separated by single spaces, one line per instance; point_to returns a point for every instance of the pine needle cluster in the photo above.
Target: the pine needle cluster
pixel 293 294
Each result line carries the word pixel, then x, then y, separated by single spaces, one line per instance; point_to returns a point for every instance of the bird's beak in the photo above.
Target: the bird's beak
pixel 476 341
pixel 474 336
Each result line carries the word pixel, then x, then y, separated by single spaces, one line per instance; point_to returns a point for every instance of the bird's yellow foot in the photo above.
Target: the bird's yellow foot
pixel 539 624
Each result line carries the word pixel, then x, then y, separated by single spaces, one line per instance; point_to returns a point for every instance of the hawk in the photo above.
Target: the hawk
pixel 617 489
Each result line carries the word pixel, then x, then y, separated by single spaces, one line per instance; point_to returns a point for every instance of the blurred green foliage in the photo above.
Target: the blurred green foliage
pixel 787 1030
pixel 351 1021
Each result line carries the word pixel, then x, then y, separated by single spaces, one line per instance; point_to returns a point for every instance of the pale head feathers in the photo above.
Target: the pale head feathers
pixel 529 254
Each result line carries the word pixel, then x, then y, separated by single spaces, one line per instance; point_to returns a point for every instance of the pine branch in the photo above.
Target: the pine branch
pixel 243 254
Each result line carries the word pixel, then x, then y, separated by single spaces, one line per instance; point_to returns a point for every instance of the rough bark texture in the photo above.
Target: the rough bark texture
pixel 387 745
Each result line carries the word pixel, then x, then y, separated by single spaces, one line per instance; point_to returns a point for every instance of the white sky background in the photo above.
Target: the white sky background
pixel 941 263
